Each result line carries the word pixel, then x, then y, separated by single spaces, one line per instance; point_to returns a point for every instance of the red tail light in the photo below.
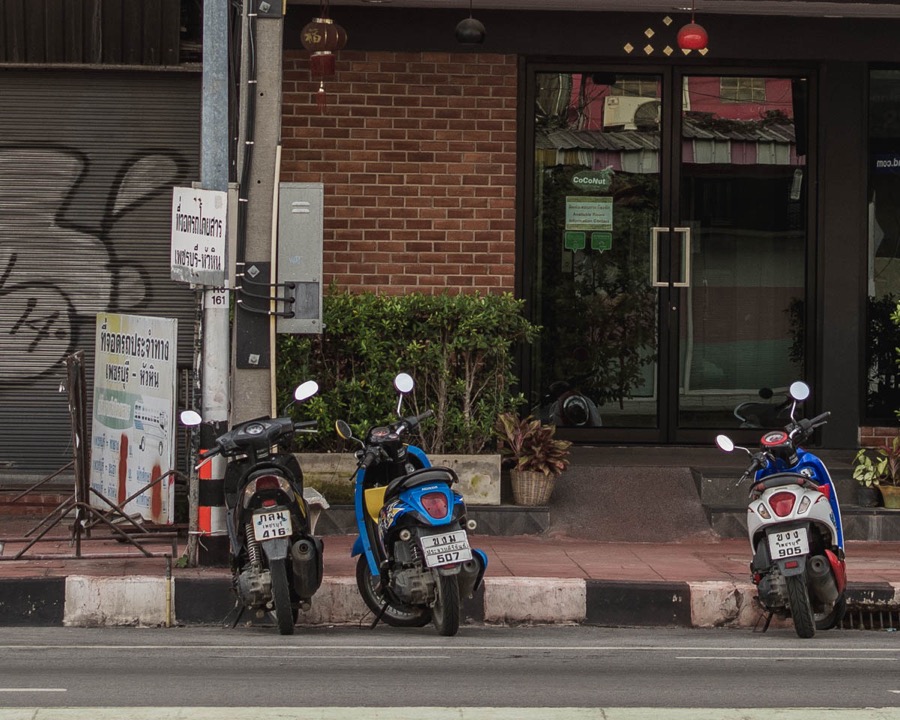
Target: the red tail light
pixel 435 504
pixel 267 482
pixel 782 503
pixel 269 503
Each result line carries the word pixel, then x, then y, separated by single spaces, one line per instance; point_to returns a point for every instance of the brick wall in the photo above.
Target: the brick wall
pixel 417 153
pixel 875 437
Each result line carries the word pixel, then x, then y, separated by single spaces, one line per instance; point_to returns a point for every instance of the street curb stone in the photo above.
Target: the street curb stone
pixel 87 601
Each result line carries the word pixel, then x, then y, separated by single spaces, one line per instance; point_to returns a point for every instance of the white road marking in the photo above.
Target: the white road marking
pixel 32 690
pixel 792 658
pixel 454 648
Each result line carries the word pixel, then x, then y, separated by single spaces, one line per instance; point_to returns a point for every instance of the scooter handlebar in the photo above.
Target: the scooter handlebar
pixel 206 455
pixel 370 456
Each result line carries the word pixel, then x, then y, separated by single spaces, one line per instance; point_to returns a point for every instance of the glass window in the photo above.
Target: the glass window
pixel 883 291
pixel 742 89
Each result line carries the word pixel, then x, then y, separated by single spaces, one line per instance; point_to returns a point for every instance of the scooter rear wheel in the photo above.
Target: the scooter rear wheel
pixel 801 609
pixel 445 611
pixel 395 614
pixel 281 595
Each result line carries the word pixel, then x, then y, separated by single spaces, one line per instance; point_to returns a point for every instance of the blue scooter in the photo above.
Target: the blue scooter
pixel 415 562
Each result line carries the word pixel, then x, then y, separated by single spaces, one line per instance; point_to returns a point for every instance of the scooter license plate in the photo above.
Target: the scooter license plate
pixel 788 543
pixel 446 549
pixel 271 525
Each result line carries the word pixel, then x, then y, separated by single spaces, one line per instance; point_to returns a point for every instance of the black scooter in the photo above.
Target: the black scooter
pixel 267 517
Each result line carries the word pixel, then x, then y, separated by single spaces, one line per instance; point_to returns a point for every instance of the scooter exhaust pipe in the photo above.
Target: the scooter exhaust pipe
pixel 306 563
pixel 821 580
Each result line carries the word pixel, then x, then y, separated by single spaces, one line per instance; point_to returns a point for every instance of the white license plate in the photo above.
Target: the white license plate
pixel 446 549
pixel 271 525
pixel 788 543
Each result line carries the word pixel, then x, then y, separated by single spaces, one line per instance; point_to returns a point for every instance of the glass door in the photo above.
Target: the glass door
pixel 742 196
pixel 666 258
pixel 598 190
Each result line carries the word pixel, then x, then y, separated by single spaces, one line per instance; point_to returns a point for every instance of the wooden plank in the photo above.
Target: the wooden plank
pixel 152 21
pixel 74 31
pixel 13 31
pixel 132 36
pixel 93 31
pixel 170 35
pixel 35 22
pixel 112 31
pixel 55 32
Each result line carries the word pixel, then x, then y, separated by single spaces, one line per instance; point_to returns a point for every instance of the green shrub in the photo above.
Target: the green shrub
pixel 459 349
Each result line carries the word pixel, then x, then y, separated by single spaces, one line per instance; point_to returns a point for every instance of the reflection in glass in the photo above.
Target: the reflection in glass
pixel 743 193
pixel 882 334
pixel 597 196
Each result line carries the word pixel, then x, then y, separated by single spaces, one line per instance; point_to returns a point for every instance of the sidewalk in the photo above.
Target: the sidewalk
pixel 530 579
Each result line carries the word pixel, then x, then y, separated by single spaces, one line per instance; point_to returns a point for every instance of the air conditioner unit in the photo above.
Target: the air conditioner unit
pixel 630 113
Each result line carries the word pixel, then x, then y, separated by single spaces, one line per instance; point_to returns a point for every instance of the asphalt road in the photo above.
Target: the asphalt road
pixel 596 669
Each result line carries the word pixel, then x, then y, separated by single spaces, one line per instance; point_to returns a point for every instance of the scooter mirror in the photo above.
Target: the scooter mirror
pixel 404 383
pixel 343 429
pixel 306 390
pixel 724 442
pixel 190 418
pixel 799 391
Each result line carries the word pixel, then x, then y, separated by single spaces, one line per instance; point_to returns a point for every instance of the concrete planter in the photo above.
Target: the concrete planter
pixel 479 475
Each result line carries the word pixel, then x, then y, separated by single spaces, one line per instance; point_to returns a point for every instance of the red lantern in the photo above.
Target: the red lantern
pixel 323 35
pixel 321 64
pixel 692 37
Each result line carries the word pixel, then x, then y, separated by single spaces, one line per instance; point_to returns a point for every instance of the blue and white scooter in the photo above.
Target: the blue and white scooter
pixel 415 563
pixel 794 526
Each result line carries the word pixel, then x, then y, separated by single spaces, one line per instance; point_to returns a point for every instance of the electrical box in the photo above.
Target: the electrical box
pixel 300 235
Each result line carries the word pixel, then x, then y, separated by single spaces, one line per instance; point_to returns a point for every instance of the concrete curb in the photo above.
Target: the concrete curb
pixel 88 601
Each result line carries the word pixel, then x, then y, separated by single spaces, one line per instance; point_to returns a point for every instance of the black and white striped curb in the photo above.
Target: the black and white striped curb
pixel 88 601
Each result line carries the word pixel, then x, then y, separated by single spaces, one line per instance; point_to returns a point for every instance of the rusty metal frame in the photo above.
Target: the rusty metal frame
pixel 86 517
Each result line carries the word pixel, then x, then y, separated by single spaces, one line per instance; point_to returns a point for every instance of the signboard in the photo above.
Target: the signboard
pixel 198 236
pixel 589 213
pixel 132 438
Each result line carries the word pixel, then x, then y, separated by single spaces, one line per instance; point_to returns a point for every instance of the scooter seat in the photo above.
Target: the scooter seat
pixel 424 476
pixel 782 480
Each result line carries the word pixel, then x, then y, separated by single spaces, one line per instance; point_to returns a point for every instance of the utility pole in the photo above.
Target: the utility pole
pixel 259 162
pixel 215 354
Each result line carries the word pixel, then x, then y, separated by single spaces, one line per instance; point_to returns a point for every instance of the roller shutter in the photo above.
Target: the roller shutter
pixel 88 160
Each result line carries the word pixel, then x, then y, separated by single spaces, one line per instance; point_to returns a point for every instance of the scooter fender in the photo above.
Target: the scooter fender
pixel 277 548
pixel 839 569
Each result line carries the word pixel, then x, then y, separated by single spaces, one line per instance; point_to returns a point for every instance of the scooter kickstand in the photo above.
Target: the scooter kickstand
pixel 766 625
pixel 379 616
pixel 238 611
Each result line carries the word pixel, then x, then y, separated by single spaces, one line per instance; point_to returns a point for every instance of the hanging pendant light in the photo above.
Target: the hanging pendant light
pixel 692 36
pixel 322 37
pixel 470 31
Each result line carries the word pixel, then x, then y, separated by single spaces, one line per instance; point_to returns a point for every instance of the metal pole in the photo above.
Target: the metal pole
pixel 216 358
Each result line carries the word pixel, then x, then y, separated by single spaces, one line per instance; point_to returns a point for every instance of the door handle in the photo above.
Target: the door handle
pixel 686 256
pixel 654 257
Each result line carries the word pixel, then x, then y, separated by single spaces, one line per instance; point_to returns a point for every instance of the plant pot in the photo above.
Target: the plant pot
pixel 891 496
pixel 868 496
pixel 531 488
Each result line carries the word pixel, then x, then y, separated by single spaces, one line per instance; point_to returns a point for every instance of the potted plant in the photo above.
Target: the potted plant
pixel 879 468
pixel 537 457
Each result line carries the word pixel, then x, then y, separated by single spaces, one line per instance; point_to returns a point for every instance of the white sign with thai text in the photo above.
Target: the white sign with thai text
pixel 133 438
pixel 199 236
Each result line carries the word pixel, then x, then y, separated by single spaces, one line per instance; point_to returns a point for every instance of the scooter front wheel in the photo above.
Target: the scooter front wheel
pixel 395 614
